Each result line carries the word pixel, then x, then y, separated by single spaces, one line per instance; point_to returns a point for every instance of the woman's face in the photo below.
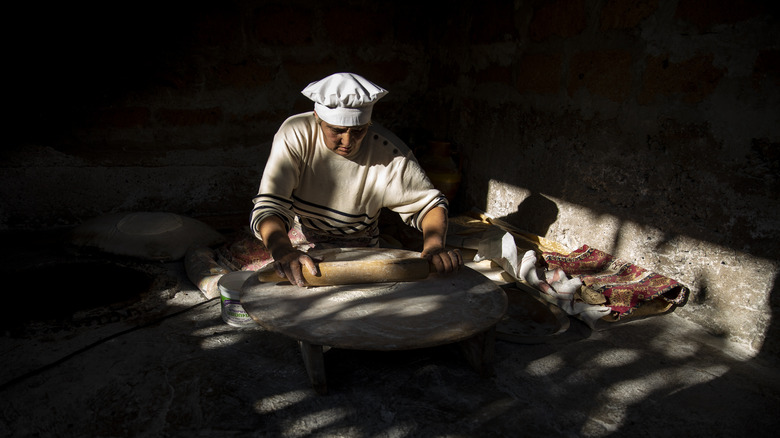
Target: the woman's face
pixel 343 140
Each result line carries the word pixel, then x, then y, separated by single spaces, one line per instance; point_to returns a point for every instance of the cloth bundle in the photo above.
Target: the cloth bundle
pixel 561 290
pixel 586 283
pixel 555 286
pixel 624 285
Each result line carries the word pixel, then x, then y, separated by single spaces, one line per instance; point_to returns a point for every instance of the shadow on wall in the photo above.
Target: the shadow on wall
pixel 535 214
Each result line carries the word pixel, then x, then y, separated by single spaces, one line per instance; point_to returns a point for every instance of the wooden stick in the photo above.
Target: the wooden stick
pixel 359 271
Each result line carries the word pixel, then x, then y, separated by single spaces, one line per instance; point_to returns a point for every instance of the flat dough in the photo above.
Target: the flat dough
pixel 381 316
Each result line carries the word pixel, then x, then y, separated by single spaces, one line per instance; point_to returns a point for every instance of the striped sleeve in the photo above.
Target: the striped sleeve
pixel 266 205
pixel 416 219
pixel 280 177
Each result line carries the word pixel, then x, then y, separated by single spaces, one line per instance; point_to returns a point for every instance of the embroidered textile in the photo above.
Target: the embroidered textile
pixel 248 253
pixel 625 285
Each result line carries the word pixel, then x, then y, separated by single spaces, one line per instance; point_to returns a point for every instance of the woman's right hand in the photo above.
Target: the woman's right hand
pixel 290 262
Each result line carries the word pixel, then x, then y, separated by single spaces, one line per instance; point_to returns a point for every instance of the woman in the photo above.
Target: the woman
pixel 331 171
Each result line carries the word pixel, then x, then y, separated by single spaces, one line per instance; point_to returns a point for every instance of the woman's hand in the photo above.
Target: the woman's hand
pixel 445 261
pixel 434 228
pixel 290 263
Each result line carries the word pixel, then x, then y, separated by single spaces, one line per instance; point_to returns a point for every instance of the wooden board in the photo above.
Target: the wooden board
pixel 437 310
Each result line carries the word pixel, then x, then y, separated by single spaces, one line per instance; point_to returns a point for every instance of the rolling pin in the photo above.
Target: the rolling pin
pixel 359 271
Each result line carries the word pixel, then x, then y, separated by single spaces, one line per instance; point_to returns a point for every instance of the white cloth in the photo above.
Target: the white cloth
pixel 561 291
pixel 344 99
pixel 500 247
pixel 340 196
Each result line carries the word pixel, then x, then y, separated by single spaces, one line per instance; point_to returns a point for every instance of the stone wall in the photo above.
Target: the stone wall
pixel 647 129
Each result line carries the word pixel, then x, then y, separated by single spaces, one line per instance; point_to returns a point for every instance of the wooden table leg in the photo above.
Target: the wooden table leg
pixel 480 351
pixel 314 360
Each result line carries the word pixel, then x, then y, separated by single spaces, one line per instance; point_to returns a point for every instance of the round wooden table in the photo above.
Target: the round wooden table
pixel 462 307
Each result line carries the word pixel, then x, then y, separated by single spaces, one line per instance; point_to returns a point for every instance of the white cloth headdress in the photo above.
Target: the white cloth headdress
pixel 344 99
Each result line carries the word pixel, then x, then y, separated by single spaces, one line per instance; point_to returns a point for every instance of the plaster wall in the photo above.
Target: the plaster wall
pixel 646 129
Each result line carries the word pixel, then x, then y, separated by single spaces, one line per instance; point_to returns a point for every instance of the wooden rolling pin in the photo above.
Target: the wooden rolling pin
pixel 359 271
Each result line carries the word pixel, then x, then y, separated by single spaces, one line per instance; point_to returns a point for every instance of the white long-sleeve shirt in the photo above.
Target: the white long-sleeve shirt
pixel 337 196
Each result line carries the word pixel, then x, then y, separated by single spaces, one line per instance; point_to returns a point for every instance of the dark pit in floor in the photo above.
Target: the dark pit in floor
pixel 61 291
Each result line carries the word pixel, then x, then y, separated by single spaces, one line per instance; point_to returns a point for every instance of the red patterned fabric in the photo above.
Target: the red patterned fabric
pixel 248 253
pixel 625 285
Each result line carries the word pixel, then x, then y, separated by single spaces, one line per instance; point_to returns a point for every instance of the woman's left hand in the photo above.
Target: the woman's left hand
pixel 444 260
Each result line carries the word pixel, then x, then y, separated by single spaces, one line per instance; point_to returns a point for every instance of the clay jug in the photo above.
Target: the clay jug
pixel 443 171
